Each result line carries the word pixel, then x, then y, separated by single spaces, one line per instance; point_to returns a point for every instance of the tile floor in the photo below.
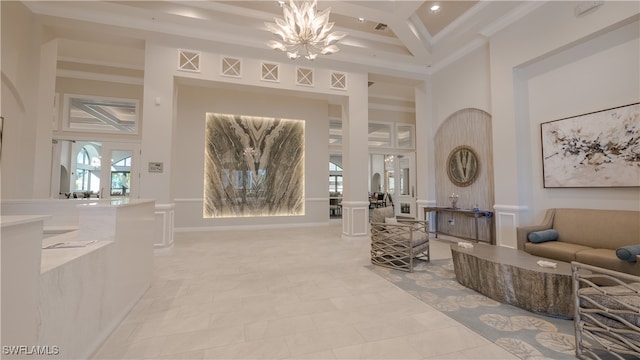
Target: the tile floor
pixel 297 293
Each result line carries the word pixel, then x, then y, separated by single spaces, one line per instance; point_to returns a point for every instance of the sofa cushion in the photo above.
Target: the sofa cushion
pixel 543 236
pixel 390 220
pixel 556 250
pixel 617 298
pixel 606 258
pixel 628 253
pixel 419 238
pixel 609 229
pixel 402 231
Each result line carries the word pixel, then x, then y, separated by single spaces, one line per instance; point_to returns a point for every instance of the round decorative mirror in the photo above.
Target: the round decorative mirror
pixel 463 166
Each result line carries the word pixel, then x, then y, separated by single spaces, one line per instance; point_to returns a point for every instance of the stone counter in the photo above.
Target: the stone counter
pixel 69 299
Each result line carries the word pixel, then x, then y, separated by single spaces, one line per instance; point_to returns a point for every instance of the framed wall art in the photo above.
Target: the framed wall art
pixel 463 166
pixel 598 149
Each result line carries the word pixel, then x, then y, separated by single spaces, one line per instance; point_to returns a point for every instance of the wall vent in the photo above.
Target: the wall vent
pixel 304 76
pixel 189 60
pixel 338 81
pixel 231 67
pixel 381 27
pixel 270 72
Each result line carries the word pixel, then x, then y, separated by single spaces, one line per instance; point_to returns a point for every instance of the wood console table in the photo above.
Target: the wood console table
pixel 485 215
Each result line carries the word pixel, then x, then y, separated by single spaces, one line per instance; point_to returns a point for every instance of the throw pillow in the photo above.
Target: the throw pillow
pixel 390 220
pixel 543 236
pixel 628 253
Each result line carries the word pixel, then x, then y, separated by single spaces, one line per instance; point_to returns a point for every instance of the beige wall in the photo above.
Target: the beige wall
pixel 599 74
pixel 193 102
pixel 528 74
pixel 20 53
pixel 523 44
pixel 463 84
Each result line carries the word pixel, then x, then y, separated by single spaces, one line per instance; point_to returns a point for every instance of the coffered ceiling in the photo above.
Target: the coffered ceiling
pixel 394 41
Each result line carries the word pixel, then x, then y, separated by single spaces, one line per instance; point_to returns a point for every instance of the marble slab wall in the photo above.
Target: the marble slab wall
pixel 254 166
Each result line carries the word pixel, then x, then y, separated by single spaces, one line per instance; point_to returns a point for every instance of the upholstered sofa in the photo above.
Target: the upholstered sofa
pixel 588 236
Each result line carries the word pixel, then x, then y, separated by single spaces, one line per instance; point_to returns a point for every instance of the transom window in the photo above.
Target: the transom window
pixel 100 114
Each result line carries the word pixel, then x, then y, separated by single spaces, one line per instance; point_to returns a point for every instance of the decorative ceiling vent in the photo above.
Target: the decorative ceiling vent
pixel 189 60
pixel 304 76
pixel 270 72
pixel 231 67
pixel 338 81
pixel 381 27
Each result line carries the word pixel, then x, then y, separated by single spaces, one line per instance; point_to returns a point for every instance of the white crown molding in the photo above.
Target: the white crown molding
pixel 510 18
pixel 460 21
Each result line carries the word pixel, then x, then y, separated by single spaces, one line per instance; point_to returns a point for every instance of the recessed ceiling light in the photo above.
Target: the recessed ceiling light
pixel 435 8
pixel 360 19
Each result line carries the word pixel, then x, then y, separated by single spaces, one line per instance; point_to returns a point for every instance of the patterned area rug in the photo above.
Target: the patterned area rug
pixel 526 335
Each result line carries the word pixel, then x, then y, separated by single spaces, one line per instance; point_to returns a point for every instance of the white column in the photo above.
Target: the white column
pixel 157 135
pixel 355 128
pixel 505 89
pixel 425 161
pixel 43 129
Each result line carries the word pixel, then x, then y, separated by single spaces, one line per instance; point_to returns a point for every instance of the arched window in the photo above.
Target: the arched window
pixel 126 162
pixel 83 157
pixel 87 170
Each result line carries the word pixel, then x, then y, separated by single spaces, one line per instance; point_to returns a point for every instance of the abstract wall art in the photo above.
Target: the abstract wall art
pixel 254 166
pixel 599 149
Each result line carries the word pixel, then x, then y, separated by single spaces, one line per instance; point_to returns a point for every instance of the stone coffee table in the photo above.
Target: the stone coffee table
pixel 513 276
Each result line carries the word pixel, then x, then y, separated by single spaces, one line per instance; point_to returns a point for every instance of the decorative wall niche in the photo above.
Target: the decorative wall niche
pixel 465 134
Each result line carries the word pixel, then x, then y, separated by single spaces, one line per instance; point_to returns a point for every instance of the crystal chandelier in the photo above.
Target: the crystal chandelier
pixel 303 31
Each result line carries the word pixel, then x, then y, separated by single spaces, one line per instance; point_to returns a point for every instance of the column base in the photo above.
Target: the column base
pixel 355 219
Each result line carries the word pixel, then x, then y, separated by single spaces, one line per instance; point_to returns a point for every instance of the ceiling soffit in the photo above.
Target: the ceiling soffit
pixel 398 43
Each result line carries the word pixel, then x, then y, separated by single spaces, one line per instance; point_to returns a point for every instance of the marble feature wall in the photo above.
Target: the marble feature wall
pixel 254 166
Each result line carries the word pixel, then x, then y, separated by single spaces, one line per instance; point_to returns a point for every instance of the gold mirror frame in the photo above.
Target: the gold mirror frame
pixel 463 166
